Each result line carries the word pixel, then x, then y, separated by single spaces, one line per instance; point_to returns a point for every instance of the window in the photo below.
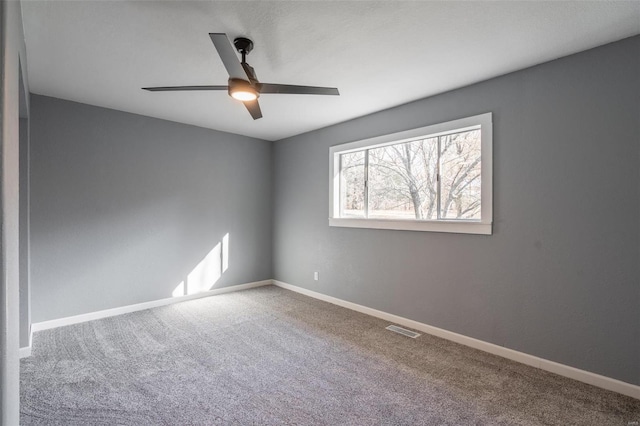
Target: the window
pixel 436 178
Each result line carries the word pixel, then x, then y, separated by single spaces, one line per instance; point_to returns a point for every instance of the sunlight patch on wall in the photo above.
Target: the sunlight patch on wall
pixel 225 252
pixel 207 272
pixel 179 290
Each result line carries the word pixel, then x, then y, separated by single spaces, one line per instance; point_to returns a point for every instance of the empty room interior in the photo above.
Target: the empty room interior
pixel 320 213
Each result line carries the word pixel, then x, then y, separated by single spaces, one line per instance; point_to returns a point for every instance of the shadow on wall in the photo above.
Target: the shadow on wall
pixel 207 272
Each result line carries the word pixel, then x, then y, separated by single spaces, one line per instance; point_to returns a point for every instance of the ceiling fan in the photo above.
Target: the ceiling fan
pixel 243 82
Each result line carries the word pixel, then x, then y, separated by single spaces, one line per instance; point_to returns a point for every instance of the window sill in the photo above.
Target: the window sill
pixel 457 227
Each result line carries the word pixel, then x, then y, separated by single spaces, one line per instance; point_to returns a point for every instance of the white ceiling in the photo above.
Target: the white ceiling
pixel 379 54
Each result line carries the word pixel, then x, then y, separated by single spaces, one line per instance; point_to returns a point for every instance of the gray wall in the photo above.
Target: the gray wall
pixel 559 277
pixel 123 207
pixel 12 67
pixel 25 299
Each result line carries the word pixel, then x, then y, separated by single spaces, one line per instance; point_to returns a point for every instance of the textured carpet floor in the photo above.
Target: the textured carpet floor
pixel 268 356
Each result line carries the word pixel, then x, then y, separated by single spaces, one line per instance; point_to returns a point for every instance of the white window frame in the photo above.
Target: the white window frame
pixel 482 226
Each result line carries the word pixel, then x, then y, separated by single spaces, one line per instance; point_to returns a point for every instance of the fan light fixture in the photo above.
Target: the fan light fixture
pixel 242 90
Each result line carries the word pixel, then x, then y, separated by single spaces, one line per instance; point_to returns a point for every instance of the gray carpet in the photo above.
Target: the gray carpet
pixel 268 356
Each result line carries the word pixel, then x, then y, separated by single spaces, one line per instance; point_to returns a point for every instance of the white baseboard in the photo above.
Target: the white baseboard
pixel 25 352
pixel 534 361
pixel 45 325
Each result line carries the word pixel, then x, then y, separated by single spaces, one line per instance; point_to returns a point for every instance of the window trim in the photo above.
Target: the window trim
pixel 483 226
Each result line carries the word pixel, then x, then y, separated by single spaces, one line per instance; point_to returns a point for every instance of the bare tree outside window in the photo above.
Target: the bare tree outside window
pixel 352 184
pixel 460 175
pixel 436 178
pixel 400 181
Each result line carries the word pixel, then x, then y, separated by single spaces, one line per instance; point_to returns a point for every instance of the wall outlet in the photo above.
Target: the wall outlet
pixel 316 276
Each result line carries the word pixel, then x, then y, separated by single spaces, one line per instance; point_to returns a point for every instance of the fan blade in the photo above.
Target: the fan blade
pixel 254 109
pixel 250 72
pixel 179 88
pixel 228 55
pixel 296 90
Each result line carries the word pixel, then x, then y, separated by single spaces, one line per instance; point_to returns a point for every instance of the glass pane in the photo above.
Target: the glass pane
pixel 352 184
pixel 402 180
pixel 460 175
